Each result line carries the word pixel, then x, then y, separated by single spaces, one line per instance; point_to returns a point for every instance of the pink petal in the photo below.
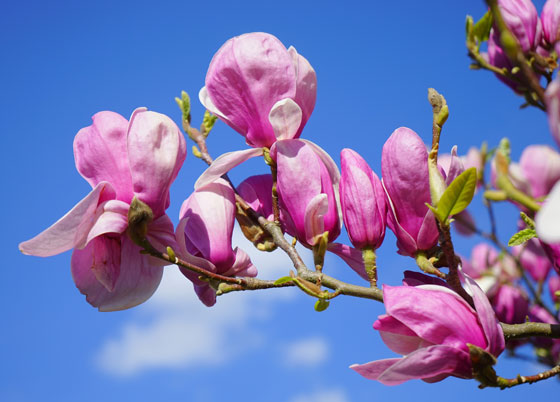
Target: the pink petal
pixel 71 229
pixel 100 151
pixel 161 234
pixel 428 232
pixel 398 337
pixel 211 214
pixel 424 363
pixel 492 329
pixel 242 265
pixel 285 119
pixel 306 91
pixel 351 256
pixel 156 151
pixel 204 98
pixel 455 167
pixel 136 281
pixel 224 163
pixel 184 254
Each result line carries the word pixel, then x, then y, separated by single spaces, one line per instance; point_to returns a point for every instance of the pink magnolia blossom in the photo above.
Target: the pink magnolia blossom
pixel 204 237
pixel 404 167
pixel 510 303
pixel 259 88
pixel 540 166
pixel 523 21
pixel 547 225
pixel 431 326
pixel 307 191
pixel 534 260
pixel 363 200
pixel 121 160
pixel 550 17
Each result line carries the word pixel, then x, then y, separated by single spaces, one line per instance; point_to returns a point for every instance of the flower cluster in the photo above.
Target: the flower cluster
pixel 122 236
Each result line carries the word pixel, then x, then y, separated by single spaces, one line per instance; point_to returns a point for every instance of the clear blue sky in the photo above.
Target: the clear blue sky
pixel 64 61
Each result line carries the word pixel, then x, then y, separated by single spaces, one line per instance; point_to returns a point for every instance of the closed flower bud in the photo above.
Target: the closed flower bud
pixel 363 200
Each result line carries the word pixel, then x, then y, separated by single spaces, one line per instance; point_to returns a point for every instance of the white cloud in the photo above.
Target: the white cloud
pixel 306 352
pixel 175 330
pixel 327 395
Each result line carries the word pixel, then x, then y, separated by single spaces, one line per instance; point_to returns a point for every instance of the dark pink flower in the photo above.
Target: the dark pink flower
pixel 431 326
pixel 261 89
pixel 363 200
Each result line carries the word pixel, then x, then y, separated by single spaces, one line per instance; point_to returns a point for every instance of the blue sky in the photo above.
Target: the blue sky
pixel 64 61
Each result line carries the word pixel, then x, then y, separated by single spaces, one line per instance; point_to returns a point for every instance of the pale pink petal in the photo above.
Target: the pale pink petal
pixel 136 281
pixel 161 234
pixel 156 151
pixel 547 221
pixel 314 222
pixel 113 218
pixel 455 167
pixel 71 229
pixel 184 254
pixel 351 256
pixel 306 86
pixel 209 105
pixel 224 163
pixel 285 118
pixel 373 370
pixel 100 151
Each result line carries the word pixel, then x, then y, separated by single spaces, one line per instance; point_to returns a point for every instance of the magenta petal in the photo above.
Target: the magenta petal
pixel 100 151
pixel 455 167
pixel 71 229
pixel 419 308
pixel 136 282
pixel 428 232
pixel 351 256
pixel 186 256
pixel 424 363
pixel 224 163
pixel 156 151
pixel 492 329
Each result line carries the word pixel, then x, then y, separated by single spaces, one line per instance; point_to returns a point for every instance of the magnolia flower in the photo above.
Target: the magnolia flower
pixel 522 19
pixel 121 160
pixel 204 236
pixel 547 221
pixel 363 201
pixel 262 90
pixel 552 97
pixel 432 326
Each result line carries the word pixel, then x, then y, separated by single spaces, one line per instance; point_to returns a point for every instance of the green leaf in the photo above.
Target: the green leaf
pixel 321 305
pixel 457 196
pixel 482 28
pixel 528 221
pixel 284 279
pixel 521 237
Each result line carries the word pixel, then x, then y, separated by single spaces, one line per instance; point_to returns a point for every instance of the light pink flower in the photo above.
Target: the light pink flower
pixel 204 236
pixel 430 326
pixel 363 200
pixel 257 191
pixel 120 160
pixel 259 88
pixel 540 165
pixel 404 167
